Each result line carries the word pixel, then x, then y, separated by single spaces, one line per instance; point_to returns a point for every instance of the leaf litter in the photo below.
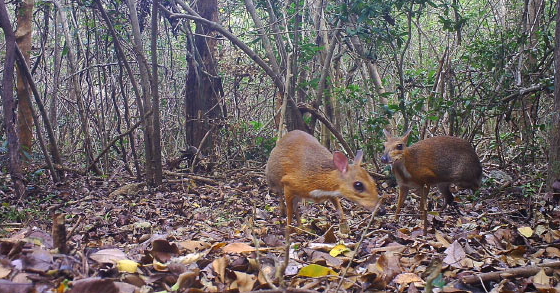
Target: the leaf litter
pixel 229 237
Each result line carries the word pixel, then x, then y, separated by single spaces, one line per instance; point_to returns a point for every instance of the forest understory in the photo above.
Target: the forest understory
pixel 226 234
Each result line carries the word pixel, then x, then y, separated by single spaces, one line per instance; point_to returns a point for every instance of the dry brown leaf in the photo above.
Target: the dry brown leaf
pixel 160 267
pixel 125 287
pixel 244 282
pixel 192 245
pixel 111 255
pixel 441 239
pixel 4 271
pixel 553 251
pixel 454 255
pixel 12 287
pixel 38 260
pixel 541 278
pixel 219 265
pixel 186 279
pixel 406 278
pixel 238 247
pixel 269 271
pixel 94 285
pixel 162 250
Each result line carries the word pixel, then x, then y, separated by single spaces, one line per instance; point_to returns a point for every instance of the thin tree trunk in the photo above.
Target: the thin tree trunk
pixel 76 85
pixel 135 87
pixel 53 117
pixel 145 77
pixel 24 68
pixel 278 82
pixel 203 103
pixel 264 37
pixel 23 39
pixel 8 102
pixel 554 154
pixel 156 142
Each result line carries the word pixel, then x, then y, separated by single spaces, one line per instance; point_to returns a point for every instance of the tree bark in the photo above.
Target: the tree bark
pixel 278 82
pixel 8 102
pixel 156 142
pixel 23 39
pixel 554 153
pixel 145 77
pixel 203 105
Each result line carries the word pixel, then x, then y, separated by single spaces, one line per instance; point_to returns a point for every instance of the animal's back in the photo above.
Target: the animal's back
pixel 299 154
pixel 444 159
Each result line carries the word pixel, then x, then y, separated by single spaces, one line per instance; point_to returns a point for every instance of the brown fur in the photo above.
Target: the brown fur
pixel 299 164
pixel 440 161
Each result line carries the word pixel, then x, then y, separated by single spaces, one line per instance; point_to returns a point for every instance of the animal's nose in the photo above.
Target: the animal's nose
pixel 385 159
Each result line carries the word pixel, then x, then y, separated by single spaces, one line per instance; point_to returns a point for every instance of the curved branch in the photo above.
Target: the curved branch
pixel 236 41
pixel 309 109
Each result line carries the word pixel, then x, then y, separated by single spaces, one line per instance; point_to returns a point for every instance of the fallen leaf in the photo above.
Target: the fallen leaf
pixel 455 254
pixel 93 285
pixel 219 265
pixel 244 282
pixel 11 287
pixel 541 278
pixel 162 250
pixel 126 265
pixel 553 251
pixel 112 255
pixel 441 239
pixel 160 267
pixel 189 258
pixel 525 231
pixel 4 271
pixel 125 287
pixel 192 245
pixel 337 250
pixel 185 280
pixel 406 278
pixel 38 260
pixel 315 271
pixel 238 247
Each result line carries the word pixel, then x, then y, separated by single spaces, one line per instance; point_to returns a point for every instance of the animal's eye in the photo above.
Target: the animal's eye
pixel 400 147
pixel 359 186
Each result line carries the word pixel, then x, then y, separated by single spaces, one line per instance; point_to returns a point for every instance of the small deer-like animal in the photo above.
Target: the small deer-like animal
pixel 300 167
pixel 439 160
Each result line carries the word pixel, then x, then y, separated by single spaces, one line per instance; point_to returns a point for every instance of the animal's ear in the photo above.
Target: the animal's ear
pixel 340 161
pixel 358 158
pixel 406 135
pixel 387 133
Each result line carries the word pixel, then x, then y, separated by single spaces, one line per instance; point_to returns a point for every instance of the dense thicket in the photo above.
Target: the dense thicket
pixel 479 69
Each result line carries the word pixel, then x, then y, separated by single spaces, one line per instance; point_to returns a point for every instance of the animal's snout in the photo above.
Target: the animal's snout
pixel 386 159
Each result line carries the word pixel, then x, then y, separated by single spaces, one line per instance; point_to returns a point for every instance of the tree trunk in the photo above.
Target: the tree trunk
pixel 554 155
pixel 76 85
pixel 203 85
pixel 145 77
pixel 156 142
pixel 23 39
pixel 8 102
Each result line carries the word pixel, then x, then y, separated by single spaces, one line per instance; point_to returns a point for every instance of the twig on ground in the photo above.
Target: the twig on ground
pixel 189 176
pixel 74 227
pixel 510 273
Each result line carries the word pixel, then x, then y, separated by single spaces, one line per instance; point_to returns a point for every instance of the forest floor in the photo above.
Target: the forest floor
pixel 226 234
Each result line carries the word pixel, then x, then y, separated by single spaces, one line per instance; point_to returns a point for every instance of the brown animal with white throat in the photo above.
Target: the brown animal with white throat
pixel 300 167
pixel 439 160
